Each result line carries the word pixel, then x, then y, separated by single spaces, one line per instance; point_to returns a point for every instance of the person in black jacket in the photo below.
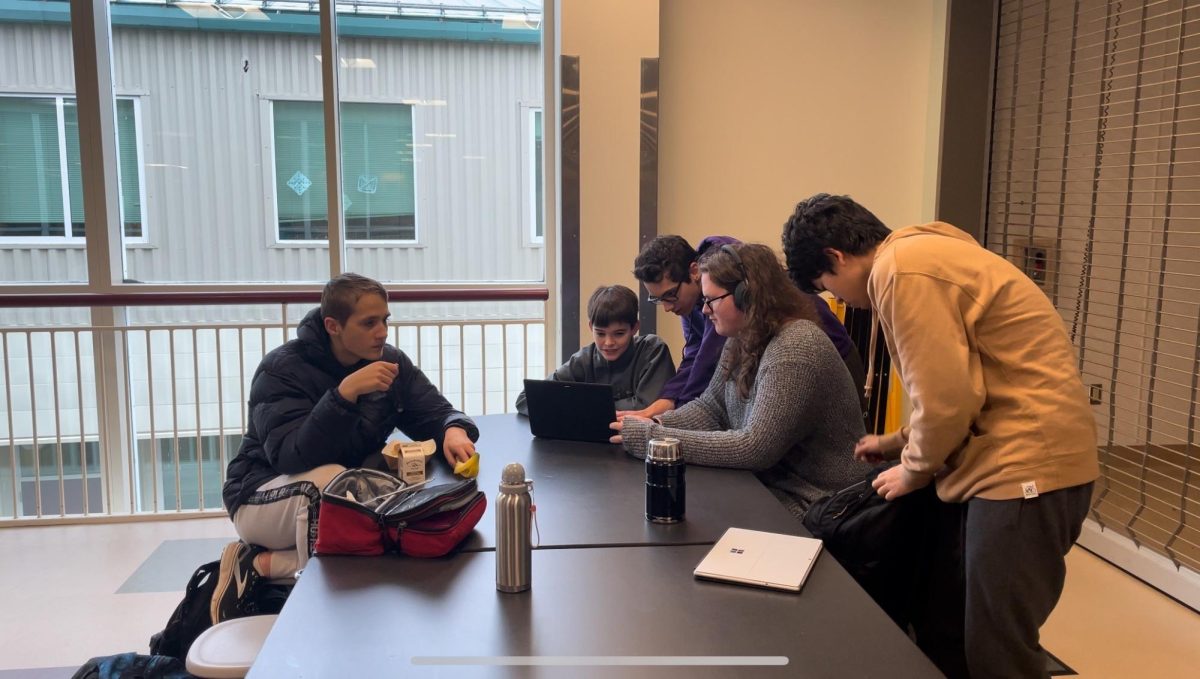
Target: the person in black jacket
pixel 319 404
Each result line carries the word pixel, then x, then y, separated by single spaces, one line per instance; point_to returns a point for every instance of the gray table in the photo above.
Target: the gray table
pixel 365 617
pixel 594 494
pixel 606 583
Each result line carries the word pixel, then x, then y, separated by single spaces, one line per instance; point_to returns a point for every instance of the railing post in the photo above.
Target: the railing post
pixel 116 436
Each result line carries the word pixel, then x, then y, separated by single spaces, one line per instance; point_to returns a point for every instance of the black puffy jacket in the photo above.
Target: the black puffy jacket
pixel 298 421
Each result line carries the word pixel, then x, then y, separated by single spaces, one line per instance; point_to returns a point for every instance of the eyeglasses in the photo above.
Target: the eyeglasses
pixel 708 301
pixel 669 296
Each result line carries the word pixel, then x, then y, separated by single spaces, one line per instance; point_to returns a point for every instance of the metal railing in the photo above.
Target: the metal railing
pixel 138 419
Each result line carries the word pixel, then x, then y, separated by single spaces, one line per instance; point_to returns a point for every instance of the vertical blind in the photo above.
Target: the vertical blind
pixel 31 167
pixel 31 202
pixel 127 157
pixel 1094 190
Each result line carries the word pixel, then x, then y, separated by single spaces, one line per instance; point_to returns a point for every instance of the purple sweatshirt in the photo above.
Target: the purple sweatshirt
pixel 702 345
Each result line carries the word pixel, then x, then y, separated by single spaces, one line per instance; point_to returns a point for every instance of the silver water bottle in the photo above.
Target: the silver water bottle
pixel 666 484
pixel 514 549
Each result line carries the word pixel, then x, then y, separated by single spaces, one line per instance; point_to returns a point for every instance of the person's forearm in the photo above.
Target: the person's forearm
pixel 893 444
pixel 659 407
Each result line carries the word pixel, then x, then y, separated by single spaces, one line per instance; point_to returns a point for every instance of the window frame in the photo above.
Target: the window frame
pixel 270 167
pixel 67 239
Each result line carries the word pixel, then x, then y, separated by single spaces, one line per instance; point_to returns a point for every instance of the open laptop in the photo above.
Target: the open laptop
pixel 575 411
pixel 752 557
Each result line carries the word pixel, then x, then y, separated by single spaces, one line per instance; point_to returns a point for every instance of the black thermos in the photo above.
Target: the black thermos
pixel 665 482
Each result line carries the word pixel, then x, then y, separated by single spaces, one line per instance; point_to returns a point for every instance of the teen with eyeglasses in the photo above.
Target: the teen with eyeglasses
pixel 668 268
pixel 781 402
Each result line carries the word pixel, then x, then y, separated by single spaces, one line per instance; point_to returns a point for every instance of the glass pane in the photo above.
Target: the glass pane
pixel 538 210
pixel 377 166
pixel 182 490
pixel 200 143
pixel 379 204
pixel 31 197
pixel 74 165
pixel 45 488
pixel 438 141
pixel 300 170
pixel 128 163
pixel 36 63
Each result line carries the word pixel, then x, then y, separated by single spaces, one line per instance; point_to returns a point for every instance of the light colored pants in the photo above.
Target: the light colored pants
pixel 282 517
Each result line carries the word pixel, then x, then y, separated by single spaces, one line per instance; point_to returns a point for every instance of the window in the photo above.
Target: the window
pixel 173 481
pixel 40 177
pixel 536 162
pixel 38 480
pixel 377 167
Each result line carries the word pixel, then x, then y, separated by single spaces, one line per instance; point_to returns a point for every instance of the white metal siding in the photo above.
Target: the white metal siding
pixel 207 152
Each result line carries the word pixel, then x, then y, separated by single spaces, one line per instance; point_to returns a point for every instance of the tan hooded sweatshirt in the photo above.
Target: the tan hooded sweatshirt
pixel 999 409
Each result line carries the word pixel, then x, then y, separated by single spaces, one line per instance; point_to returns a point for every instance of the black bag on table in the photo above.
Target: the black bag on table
pixel 880 543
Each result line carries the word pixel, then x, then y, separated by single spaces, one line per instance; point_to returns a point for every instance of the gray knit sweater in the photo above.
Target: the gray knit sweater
pixel 796 431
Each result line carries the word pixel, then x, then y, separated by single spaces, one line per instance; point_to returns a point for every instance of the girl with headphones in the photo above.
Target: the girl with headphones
pixel 781 402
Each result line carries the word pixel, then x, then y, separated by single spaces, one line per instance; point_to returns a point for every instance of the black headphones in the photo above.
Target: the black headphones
pixel 741 292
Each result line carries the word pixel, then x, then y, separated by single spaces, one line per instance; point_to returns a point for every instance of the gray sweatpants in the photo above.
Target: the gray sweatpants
pixel 281 515
pixel 1000 568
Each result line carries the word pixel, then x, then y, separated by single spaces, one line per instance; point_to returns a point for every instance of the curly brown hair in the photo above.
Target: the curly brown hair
pixel 771 301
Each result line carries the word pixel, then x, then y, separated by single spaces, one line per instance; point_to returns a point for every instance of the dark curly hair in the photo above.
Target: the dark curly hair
pixel 825 221
pixel 664 258
pixel 771 301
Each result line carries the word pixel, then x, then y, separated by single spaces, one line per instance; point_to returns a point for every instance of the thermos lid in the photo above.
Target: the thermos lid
pixel 664 450
pixel 513 475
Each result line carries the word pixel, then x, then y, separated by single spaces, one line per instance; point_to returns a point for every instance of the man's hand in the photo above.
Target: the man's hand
pixel 659 407
pixel 620 424
pixel 898 482
pixel 872 449
pixel 875 449
pixel 456 445
pixel 377 376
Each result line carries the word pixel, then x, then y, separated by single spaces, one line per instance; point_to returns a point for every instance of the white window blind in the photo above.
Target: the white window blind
pixel 1095 191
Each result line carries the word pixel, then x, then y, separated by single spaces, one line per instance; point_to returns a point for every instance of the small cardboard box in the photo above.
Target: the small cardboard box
pixel 408 459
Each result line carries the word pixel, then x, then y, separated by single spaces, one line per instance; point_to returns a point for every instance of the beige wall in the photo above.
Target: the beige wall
pixel 765 102
pixel 610 37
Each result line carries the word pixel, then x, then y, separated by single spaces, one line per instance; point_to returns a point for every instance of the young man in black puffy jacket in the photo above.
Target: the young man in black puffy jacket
pixel 319 404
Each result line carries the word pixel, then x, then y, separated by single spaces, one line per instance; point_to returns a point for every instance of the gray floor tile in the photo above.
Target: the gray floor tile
pixel 168 568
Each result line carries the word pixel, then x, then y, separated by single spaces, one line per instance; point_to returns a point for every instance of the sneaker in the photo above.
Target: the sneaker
pixel 235 582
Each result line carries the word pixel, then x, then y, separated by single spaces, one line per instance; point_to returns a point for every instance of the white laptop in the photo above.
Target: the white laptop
pixel 752 557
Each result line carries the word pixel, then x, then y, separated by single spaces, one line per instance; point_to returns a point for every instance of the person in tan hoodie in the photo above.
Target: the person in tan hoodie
pixel 1000 418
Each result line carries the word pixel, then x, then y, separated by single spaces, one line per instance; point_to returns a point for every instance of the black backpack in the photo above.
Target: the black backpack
pixel 880 543
pixel 132 666
pixel 191 617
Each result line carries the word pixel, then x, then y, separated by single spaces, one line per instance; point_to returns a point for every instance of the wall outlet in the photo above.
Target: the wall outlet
pixel 1037 263
pixel 1095 393
pixel 1036 258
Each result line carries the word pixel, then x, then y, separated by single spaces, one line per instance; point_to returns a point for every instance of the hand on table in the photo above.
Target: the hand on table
pixel 659 407
pixel 620 425
pixel 457 446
